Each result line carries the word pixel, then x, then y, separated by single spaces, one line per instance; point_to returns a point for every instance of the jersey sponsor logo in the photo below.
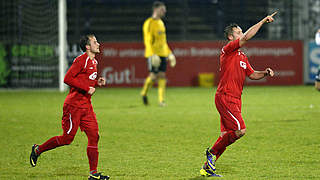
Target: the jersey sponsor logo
pixel 243 65
pixel 93 76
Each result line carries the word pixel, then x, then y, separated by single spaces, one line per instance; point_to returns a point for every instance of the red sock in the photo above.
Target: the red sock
pixel 218 154
pixel 218 140
pixel 49 144
pixel 92 152
pixel 56 141
pixel 224 141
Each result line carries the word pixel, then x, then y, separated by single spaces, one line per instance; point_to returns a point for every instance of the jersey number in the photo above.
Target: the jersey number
pixel 243 65
pixel 93 76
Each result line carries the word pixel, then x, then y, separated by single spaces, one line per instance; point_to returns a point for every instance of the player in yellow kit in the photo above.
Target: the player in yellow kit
pixel 157 52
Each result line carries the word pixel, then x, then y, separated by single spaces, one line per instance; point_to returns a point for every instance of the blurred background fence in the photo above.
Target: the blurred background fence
pixel 29 38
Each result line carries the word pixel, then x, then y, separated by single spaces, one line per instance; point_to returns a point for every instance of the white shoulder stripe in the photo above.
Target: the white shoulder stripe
pixel 86 62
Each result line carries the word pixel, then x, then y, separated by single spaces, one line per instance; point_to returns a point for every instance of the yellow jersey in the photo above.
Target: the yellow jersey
pixel 155 40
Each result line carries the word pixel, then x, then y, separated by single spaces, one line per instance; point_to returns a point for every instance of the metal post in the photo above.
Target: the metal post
pixel 62 43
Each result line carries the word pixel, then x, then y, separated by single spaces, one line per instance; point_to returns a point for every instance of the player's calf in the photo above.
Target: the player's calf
pixel 65 139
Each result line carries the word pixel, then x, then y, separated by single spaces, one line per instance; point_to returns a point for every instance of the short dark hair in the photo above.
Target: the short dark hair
pixel 157 4
pixel 84 40
pixel 229 30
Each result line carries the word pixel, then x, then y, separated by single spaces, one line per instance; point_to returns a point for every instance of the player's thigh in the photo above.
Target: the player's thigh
pixel 229 109
pixel 151 68
pixel 222 111
pixel 234 121
pixel 70 119
pixel 89 122
pixel 163 65
pixel 149 64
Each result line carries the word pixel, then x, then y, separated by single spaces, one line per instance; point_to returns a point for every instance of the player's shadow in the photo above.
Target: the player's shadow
pixel 198 178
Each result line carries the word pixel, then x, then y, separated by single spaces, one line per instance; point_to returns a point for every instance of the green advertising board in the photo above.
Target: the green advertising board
pixel 28 66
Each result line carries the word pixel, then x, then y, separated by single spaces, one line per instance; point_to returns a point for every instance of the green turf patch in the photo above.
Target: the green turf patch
pixel 138 142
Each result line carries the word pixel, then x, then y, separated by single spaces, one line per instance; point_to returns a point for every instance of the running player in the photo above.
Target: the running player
pixel 77 108
pixel 234 67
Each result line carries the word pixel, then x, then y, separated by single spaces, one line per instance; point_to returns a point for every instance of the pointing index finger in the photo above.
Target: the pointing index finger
pixel 274 13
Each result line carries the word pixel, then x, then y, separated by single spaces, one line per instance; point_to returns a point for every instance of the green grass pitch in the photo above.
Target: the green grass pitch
pixel 137 142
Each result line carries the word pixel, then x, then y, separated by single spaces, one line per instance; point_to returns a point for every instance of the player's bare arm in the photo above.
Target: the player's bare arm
pixel 256 75
pixel 255 28
pixel 91 90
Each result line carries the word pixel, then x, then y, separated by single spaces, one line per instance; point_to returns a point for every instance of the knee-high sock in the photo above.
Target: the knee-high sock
pixel 92 149
pixel 147 85
pixel 221 151
pixel 93 156
pixel 161 88
pixel 54 142
pixel 218 154
pixel 222 142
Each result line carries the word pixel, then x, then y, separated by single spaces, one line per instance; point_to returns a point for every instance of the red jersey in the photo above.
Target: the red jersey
pixel 81 75
pixel 234 67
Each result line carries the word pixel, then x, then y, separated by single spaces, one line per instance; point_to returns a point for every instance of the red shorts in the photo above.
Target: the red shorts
pixel 230 112
pixel 74 117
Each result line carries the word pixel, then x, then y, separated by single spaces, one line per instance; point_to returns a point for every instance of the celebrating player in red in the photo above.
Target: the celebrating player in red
pixel 77 108
pixel 234 67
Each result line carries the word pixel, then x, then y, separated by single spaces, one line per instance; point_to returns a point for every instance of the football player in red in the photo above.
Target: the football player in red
pixel 77 108
pixel 234 67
